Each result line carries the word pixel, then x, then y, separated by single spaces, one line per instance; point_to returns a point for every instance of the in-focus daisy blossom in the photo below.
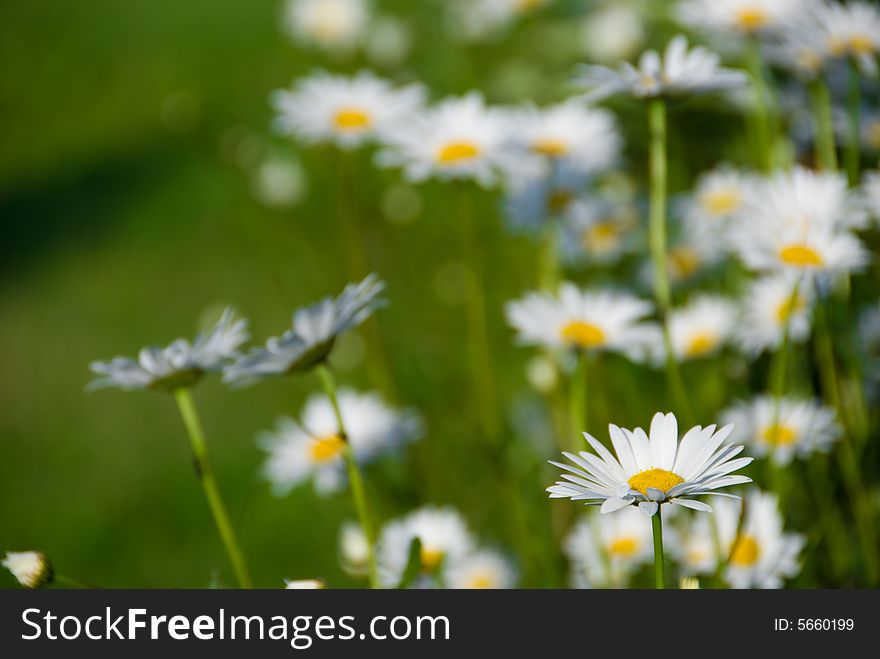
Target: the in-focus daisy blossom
pixel 312 335
pixel 783 429
pixel 775 306
pixel 652 470
pixel 701 328
pixel 313 447
pixel 444 539
pixel 853 30
pixel 181 364
pixel 335 25
pixel 345 111
pixel 759 553
pixel 744 17
pixel 303 584
pixel 604 550
pixel 583 320
pixel 679 71
pixel 30 568
pixel 459 138
pixel 481 570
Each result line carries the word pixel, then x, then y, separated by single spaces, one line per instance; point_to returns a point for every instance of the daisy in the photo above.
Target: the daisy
pixel 483 569
pixel 30 568
pixel 303 584
pixel 801 47
pixel 344 111
pixel 713 205
pixel 613 32
pixel 760 554
pixel 853 30
pixel 703 327
pixel 742 17
pixel 335 25
pixel 314 447
pixel 479 20
pixel 583 320
pixel 597 230
pixel 605 550
pixel 354 549
pixel 695 550
pixel 460 138
pixel 679 71
pixel 536 193
pixel 314 331
pixel 655 470
pixel 444 539
pixel 179 365
pixel 783 429
pixel 773 306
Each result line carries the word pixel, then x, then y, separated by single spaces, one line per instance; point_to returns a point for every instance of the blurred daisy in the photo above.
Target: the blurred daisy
pixel 597 230
pixel 679 71
pixel 181 364
pixel 312 335
pixel 652 471
pixel 583 320
pixel 30 568
pixel 313 447
pixel 695 549
pixel 354 549
pixel 303 584
pixel 334 25
pixel 444 539
pixel 783 429
pixel 344 111
pixel 483 569
pixel 853 30
pixel 536 194
pixel 613 32
pixel 605 550
pixel 742 17
pixel 773 305
pixel 761 554
pixel 703 327
pixel 389 41
pixel 479 20
pixel 460 138
pixel 713 205
pixel 801 47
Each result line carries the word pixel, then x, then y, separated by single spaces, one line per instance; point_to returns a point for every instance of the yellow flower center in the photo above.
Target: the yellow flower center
pixel 745 551
pixel 431 558
pixel 481 581
pixel 695 556
pixel 658 479
pixel 582 334
pixel 549 146
pixel 601 237
pixel 684 260
pixel 779 434
pixel 837 46
pixel 791 306
pixel 559 200
pixel 701 344
pixel 623 547
pixel 752 18
pixel 324 449
pixel 456 152
pixel 721 202
pixel 800 255
pixel 350 119
pixel 861 44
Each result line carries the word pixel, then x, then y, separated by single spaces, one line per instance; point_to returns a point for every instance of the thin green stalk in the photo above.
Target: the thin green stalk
pixel 854 138
pixel 659 567
pixel 356 481
pixel 826 148
pixel 762 121
pixel 548 257
pixel 577 400
pixel 657 238
pixel 62 580
pixel 209 484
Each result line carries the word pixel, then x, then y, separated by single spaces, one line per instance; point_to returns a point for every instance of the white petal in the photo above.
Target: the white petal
pixel 649 508
pixel 612 504
pixel 655 495
pixel 693 504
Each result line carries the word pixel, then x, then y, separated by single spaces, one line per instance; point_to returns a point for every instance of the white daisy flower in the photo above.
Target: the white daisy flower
pixel 679 71
pixel 761 554
pixel 783 429
pixel 354 549
pixel 303 584
pixel 613 32
pixel 181 364
pixel 648 472
pixel 444 539
pixel 459 138
pixel 716 200
pixel 30 568
pixel 800 221
pixel 773 305
pixel 802 47
pixel 314 448
pixel 695 549
pixel 483 569
pixel 479 20
pixel 312 335
pixel 605 550
pixel 597 231
pixel 701 328
pixel 334 25
pixel 853 30
pixel 583 320
pixel 345 111
pixel 539 192
pixel 585 138
pixel 742 17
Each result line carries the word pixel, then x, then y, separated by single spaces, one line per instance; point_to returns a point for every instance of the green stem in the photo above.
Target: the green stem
pixel 657 238
pixel 577 400
pixel 62 580
pixel 548 258
pixel 354 475
pixel 853 111
pixel 826 148
pixel 209 484
pixel 762 122
pixel 659 569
